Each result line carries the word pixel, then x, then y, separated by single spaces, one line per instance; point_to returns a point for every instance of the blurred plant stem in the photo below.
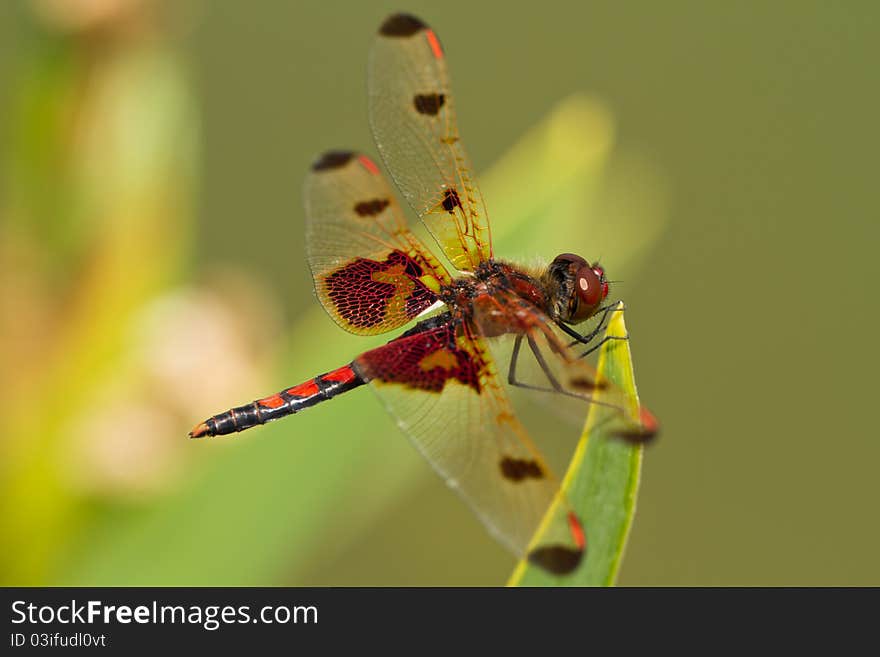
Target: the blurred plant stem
pixel 97 220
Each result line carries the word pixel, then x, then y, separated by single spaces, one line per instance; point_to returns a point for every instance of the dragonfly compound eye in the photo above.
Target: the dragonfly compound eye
pixel 578 289
pixel 589 287
pixel 603 281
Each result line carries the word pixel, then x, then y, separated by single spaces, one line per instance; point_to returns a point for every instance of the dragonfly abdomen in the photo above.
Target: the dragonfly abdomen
pixel 287 402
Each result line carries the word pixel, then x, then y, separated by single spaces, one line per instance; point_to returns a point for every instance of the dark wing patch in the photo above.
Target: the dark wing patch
pixel 428 104
pixel 372 207
pixel 558 559
pixel 518 469
pixel 332 160
pixel 424 361
pixel 366 292
pixel 401 25
pixel 451 200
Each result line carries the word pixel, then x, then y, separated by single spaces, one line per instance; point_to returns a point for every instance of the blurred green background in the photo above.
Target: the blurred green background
pixel 720 158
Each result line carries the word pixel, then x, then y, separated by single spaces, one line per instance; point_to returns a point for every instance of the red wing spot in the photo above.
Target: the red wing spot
pixel 557 559
pixel 518 469
pixel 434 42
pixel 451 200
pixel 371 208
pixel 332 160
pixel 577 530
pixel 428 104
pixel 369 165
pixel 649 422
pixel 362 290
pixel 425 361
pixel 401 25
pixel 342 375
pixel 271 402
pixel 306 389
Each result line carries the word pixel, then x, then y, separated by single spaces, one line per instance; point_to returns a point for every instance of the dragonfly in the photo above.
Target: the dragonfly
pixel 440 379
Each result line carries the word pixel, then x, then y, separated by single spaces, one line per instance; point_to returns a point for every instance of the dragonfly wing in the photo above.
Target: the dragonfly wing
pixel 371 273
pixel 412 115
pixel 442 386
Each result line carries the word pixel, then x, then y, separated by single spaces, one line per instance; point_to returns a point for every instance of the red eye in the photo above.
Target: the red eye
pixel 601 274
pixel 590 288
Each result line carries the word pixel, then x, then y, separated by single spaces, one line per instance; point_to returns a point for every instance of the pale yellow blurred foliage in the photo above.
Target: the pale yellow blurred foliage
pixel 192 350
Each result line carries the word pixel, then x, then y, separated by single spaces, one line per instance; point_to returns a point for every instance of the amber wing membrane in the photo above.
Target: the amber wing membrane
pixel 442 386
pixel 413 119
pixel 370 272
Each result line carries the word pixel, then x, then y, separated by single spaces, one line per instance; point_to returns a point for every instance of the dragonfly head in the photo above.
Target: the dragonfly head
pixel 576 288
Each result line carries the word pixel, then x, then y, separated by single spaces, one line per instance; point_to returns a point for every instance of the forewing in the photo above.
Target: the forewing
pixel 413 119
pixel 370 272
pixel 442 386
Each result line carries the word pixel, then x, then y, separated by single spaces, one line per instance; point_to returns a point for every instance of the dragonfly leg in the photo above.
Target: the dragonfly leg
pixel 511 372
pixel 601 342
pixel 543 363
pixel 589 337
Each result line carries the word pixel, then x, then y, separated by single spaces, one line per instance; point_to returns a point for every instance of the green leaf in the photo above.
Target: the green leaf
pixel 601 483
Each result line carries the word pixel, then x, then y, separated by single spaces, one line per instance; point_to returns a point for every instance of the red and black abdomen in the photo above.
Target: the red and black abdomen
pixel 287 402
